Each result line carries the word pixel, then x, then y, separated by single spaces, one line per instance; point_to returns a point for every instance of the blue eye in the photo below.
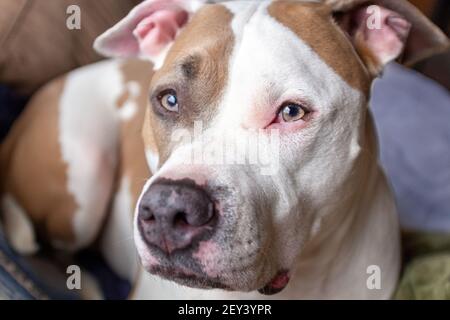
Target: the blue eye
pixel 172 100
pixel 169 101
pixel 293 112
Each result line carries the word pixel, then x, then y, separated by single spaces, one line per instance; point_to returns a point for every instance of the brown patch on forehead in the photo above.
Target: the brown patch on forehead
pixel 197 67
pixel 313 23
pixel 206 40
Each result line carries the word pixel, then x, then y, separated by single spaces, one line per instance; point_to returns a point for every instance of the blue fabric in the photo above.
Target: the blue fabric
pixel 19 281
pixel 412 114
pixel 11 105
pixel 112 286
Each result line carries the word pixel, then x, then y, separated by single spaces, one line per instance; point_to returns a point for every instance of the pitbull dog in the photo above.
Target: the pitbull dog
pixel 119 147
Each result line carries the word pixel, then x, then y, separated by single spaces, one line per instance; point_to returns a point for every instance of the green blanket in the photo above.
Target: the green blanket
pixel 426 273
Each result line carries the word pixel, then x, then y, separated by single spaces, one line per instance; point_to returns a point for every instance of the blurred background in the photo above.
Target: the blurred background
pixel 437 68
pixel 412 114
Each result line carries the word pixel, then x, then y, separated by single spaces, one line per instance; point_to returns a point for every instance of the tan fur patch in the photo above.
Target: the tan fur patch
pixel 313 23
pixel 34 170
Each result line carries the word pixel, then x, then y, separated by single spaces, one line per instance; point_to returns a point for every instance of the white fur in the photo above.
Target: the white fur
pixel 17 226
pixel 117 240
pixel 129 109
pixel 88 137
pixel 152 160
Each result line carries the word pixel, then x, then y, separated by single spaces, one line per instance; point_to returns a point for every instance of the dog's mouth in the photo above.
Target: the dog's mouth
pixel 277 284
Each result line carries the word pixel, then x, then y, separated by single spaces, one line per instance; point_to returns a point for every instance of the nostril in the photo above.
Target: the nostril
pixel 146 214
pixel 197 217
pixel 180 219
pixel 201 215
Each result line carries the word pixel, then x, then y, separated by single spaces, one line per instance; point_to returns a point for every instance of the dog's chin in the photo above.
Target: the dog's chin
pixel 276 285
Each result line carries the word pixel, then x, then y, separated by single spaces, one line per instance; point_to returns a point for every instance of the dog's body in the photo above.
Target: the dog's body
pixel 322 220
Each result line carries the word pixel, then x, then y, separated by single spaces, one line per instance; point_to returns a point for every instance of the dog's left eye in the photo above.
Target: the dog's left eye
pixel 292 112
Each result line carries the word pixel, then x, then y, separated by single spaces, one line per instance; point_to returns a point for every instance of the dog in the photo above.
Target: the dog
pixel 116 150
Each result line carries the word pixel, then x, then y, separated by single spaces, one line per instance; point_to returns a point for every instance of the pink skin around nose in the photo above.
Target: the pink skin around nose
pixel 207 251
pixel 156 31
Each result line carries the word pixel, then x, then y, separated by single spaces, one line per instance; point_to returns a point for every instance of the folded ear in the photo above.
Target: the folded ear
pixel 384 30
pixel 148 30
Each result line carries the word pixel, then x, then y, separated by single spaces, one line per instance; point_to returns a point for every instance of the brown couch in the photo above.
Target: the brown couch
pixel 36 45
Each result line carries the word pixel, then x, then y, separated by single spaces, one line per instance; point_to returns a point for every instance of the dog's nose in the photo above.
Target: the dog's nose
pixel 173 214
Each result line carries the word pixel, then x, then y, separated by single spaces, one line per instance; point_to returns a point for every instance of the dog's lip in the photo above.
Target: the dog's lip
pixel 277 284
pixel 187 278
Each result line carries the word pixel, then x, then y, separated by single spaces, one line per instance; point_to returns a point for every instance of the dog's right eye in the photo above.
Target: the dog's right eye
pixel 292 112
pixel 169 100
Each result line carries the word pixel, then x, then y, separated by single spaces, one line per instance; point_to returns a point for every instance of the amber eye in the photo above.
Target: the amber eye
pixel 293 112
pixel 169 100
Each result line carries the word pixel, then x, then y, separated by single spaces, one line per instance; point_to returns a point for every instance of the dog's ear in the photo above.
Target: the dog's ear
pixel 384 30
pixel 148 30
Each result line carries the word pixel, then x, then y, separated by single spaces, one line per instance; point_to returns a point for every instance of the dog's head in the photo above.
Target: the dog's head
pixel 257 127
